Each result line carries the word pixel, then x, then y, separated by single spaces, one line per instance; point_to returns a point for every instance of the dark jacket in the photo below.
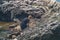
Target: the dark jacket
pixel 24 23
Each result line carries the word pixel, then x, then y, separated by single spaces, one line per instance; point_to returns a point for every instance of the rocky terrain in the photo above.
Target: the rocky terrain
pixel 45 17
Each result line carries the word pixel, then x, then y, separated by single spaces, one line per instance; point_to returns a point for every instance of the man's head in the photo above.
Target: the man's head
pixel 30 16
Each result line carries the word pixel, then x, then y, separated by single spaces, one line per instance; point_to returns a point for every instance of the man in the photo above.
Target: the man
pixel 25 21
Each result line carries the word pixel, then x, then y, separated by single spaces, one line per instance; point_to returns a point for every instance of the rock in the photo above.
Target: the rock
pixel 10 8
pixel 46 18
pixel 15 39
pixel 0 27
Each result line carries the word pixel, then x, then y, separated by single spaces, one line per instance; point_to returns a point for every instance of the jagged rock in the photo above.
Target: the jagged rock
pixel 46 18
pixel 12 8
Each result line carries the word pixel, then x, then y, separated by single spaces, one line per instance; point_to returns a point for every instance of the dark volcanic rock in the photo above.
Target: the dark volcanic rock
pixel 12 8
pixel 47 18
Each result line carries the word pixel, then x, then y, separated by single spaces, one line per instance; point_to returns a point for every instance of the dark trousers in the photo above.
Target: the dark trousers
pixel 23 27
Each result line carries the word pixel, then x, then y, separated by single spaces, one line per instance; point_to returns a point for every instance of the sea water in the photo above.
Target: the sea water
pixel 58 0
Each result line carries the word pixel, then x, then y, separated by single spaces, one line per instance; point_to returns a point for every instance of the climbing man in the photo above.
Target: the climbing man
pixel 25 21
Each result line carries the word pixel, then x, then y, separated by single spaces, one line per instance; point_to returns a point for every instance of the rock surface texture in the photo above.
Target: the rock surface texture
pixel 46 15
